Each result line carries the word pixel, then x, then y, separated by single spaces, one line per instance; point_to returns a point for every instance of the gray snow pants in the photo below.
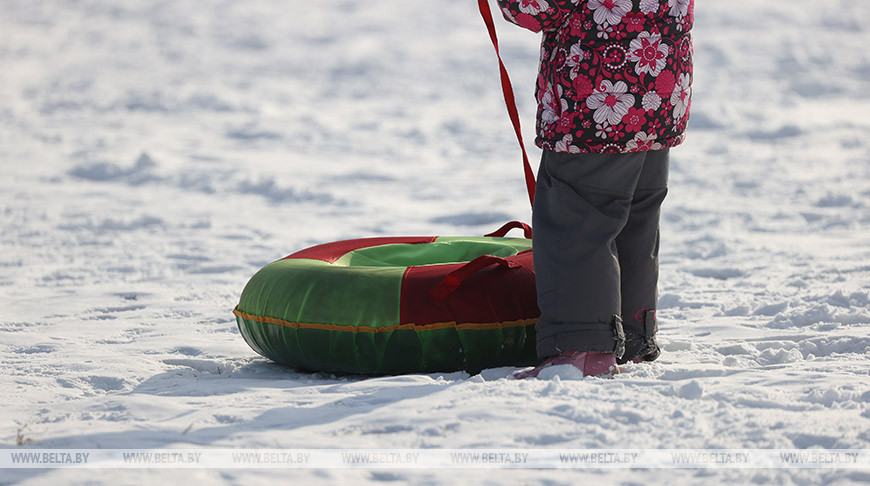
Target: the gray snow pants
pixel 596 243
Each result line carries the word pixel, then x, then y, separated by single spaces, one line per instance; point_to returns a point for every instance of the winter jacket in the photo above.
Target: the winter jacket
pixel 615 75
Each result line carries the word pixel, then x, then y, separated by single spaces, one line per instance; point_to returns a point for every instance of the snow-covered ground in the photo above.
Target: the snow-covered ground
pixel 155 154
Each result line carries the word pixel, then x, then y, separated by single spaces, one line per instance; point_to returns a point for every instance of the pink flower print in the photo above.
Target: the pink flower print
pixel 614 56
pixel 634 22
pixel 542 82
pixel 583 86
pixel 610 102
pixel 634 119
pixel 577 29
pixel 617 134
pixel 565 124
pixel 649 52
pixel 529 22
pixel 610 11
pixel 665 83
pixel 655 127
pixel 643 142
pixel 533 7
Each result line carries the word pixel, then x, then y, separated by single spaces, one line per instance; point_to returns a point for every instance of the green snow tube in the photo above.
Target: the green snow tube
pixel 396 305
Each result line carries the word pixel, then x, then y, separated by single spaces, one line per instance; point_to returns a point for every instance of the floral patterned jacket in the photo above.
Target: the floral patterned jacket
pixel 615 75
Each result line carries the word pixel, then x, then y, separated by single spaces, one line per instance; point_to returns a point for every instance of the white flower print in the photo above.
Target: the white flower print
pixel 603 130
pixel 533 7
pixel 610 11
pixel 679 8
pixel 643 142
pixel 604 31
pixel 681 97
pixel 649 52
pixel 649 6
pixel 610 102
pixel 553 107
pixel 565 145
pixel 651 101
pixel 575 57
pixel 548 109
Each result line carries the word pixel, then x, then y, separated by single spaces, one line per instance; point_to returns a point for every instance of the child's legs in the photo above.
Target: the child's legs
pixel 638 248
pixel 582 203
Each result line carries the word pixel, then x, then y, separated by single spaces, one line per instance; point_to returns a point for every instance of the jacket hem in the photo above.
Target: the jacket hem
pixel 575 148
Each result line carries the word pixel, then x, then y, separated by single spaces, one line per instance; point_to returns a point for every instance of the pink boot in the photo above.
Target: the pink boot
pixel 590 363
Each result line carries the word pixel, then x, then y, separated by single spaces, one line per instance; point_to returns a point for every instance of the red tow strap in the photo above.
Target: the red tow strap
pixel 527 230
pixel 455 278
pixel 509 100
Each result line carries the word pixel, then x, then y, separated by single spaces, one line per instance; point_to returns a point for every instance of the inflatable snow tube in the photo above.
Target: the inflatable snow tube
pixel 396 305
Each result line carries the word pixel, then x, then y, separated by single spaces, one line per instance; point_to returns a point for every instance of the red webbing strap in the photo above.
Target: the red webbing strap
pixel 527 230
pixel 509 100
pixel 455 278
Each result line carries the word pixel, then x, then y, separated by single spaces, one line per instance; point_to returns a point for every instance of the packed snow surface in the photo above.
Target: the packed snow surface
pixel 155 154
